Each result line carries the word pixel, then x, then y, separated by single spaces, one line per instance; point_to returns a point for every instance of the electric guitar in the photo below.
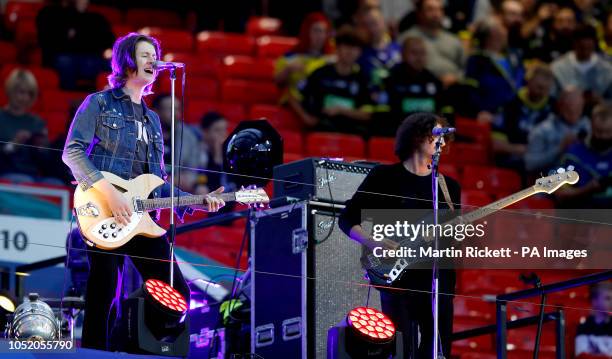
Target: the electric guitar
pixel 386 271
pixel 98 226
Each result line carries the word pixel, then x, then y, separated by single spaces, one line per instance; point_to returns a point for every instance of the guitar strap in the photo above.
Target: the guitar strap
pixel 447 196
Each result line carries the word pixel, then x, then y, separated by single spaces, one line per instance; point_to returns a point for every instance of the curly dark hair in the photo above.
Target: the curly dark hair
pixel 414 130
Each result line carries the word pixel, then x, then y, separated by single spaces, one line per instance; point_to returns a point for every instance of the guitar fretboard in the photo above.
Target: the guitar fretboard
pixel 161 203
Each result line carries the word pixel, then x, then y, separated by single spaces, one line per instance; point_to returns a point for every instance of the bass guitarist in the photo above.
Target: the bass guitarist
pixel 407 185
pixel 114 131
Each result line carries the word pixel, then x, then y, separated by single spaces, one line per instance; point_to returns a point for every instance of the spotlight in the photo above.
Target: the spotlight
pixel 167 296
pixel 7 302
pixel 34 320
pixel 153 320
pixel 365 333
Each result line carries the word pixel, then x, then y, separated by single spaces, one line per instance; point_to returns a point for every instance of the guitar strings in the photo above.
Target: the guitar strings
pixel 483 298
pixel 464 206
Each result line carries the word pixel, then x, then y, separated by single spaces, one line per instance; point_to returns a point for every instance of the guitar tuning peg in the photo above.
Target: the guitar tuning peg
pixel 552 172
pixel 561 170
pixel 570 168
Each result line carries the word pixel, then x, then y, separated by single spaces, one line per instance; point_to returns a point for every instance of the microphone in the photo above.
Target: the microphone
pixel 441 131
pixel 164 65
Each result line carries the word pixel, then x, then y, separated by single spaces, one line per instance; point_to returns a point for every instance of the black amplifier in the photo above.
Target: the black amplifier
pixel 319 179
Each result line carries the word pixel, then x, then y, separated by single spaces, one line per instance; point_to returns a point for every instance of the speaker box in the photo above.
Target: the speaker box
pixel 306 277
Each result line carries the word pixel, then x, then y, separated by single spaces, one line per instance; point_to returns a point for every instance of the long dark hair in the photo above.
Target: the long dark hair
pixel 413 131
pixel 123 61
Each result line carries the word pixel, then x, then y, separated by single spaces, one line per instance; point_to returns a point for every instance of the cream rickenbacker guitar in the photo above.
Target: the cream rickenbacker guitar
pixel 98 225
pixel 386 271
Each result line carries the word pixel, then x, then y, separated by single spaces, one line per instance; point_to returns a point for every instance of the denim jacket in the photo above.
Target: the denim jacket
pixel 102 137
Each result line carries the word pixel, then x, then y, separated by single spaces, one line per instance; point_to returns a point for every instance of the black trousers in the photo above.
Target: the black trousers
pixel 411 311
pixel 149 256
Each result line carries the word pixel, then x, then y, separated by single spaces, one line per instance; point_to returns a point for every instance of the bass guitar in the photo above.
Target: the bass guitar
pixel 386 271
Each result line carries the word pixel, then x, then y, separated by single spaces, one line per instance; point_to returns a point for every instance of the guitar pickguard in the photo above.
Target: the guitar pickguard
pixel 109 231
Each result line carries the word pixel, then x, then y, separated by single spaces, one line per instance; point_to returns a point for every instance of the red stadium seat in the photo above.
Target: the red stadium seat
pixel 221 44
pixel 198 88
pixel 291 157
pixel 275 46
pixel 474 198
pixel 60 101
pixel 26 34
pixel 474 308
pixel 382 149
pixel 232 111
pixel 8 52
pixel 47 79
pixel 279 118
pixel 475 131
pixel 259 26
pixel 324 144
pixel 56 123
pixel 152 17
pixel 249 92
pixel 102 81
pixel 112 15
pixel 170 39
pixel 195 65
pixel 491 179
pixel 247 68
pixel 293 142
pixel 120 30
pixel 19 11
pixel 474 282
pixel 466 153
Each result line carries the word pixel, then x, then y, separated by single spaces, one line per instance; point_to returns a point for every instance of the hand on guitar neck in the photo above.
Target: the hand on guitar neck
pixel 122 208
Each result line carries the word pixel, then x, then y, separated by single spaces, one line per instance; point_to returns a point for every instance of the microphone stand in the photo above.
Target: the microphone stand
pixel 171 238
pixel 435 159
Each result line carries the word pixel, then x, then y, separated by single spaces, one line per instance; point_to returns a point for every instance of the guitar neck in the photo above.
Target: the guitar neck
pixel 161 203
pixel 496 206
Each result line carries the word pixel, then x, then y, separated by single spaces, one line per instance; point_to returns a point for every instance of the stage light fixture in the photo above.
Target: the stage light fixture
pixel 168 297
pixel 370 324
pixel 154 320
pixel 34 320
pixel 365 333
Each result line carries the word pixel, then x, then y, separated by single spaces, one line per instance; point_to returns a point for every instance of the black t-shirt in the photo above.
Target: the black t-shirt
pixel 411 91
pixel 394 187
pixel 326 88
pixel 140 164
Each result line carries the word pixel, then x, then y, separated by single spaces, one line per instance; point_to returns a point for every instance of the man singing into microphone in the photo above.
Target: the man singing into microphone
pixel 115 131
pixel 407 185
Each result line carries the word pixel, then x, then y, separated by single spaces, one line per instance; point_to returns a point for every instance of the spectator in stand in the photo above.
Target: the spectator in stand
pixel 381 53
pixel 186 144
pixel 552 137
pixel 605 40
pixel 592 159
pixel 23 135
pixel 73 41
pixel 549 42
pixel 213 132
pixel 410 86
pixel 445 51
pixel 493 75
pixel 337 95
pixel 594 337
pixel 460 14
pixel 313 50
pixel 512 16
pixel 584 68
pixel 530 106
